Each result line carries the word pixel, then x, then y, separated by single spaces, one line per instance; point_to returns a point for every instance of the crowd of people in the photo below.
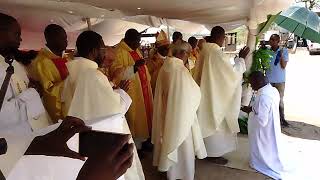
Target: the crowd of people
pixel 182 103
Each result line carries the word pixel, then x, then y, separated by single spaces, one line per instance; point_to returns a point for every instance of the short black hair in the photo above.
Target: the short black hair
pixel 276 35
pixel 176 35
pixel 192 41
pixel 207 38
pixel 217 32
pixel 132 35
pixel 51 30
pixel 6 20
pixel 87 41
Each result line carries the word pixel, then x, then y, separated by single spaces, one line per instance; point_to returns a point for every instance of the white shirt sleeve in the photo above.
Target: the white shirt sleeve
pixel 125 100
pixel 239 65
pixel 33 102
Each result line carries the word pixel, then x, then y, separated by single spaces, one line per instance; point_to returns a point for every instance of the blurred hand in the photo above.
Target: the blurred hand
pixel 117 76
pixel 246 109
pixel 244 52
pixel 55 142
pixel 139 63
pixel 110 163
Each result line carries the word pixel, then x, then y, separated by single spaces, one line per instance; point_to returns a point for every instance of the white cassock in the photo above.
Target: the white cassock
pixel 94 100
pixel 265 133
pixel 21 113
pixel 92 94
pixel 220 84
pixel 176 133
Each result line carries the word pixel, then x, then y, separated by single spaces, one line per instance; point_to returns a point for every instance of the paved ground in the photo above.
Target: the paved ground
pixel 208 171
pixel 204 171
pixel 302 95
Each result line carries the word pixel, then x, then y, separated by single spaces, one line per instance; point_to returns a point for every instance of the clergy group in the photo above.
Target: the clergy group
pixel 181 103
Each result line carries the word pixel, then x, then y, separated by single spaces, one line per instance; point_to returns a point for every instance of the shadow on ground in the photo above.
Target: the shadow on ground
pixel 302 130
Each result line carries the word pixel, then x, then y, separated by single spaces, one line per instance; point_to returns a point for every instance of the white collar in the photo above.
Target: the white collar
pixel 177 60
pixel 84 61
pixel 261 90
pixel 161 57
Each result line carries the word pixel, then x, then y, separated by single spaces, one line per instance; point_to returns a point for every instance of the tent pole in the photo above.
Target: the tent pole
pixel 168 31
pixel 251 43
pixel 89 24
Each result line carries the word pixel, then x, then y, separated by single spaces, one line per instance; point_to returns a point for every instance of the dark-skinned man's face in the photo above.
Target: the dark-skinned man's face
pixel 100 56
pixel 10 37
pixel 254 83
pixel 59 41
pixel 274 41
pixel 221 40
pixel 135 44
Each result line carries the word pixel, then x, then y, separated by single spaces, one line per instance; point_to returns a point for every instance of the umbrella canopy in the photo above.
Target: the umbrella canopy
pixel 300 21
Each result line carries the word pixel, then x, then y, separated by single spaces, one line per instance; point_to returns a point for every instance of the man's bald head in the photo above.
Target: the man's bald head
pixel 176 36
pixel 10 33
pixel 217 35
pixel 6 21
pixel 193 42
pixel 52 30
pixel 132 38
pixel 56 38
pixel 257 80
pixel 90 45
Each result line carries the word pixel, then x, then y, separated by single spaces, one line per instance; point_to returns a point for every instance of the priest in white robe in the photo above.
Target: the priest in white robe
pixel 176 133
pixel 19 122
pixel 88 94
pixel 22 107
pixel 220 84
pixel 22 110
pixel 264 128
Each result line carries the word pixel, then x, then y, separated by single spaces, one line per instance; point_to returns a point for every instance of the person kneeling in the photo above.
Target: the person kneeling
pixel 264 128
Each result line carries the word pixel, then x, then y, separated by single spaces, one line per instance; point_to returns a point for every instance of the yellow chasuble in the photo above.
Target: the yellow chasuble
pixel 194 56
pixel 50 70
pixel 139 115
pixel 154 66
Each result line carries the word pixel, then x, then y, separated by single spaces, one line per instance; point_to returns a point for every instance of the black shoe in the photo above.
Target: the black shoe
pixel 141 154
pixel 218 160
pixel 147 146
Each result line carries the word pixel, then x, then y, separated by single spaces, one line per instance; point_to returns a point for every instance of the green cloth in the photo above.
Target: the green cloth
pixel 243 124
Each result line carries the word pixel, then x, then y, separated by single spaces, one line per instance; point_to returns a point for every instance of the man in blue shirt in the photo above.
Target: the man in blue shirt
pixel 277 72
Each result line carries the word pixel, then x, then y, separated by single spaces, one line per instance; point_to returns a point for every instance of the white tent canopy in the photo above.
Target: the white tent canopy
pixel 205 12
pixel 112 18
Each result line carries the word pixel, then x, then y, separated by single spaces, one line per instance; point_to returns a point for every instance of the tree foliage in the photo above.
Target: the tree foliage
pixel 261 60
